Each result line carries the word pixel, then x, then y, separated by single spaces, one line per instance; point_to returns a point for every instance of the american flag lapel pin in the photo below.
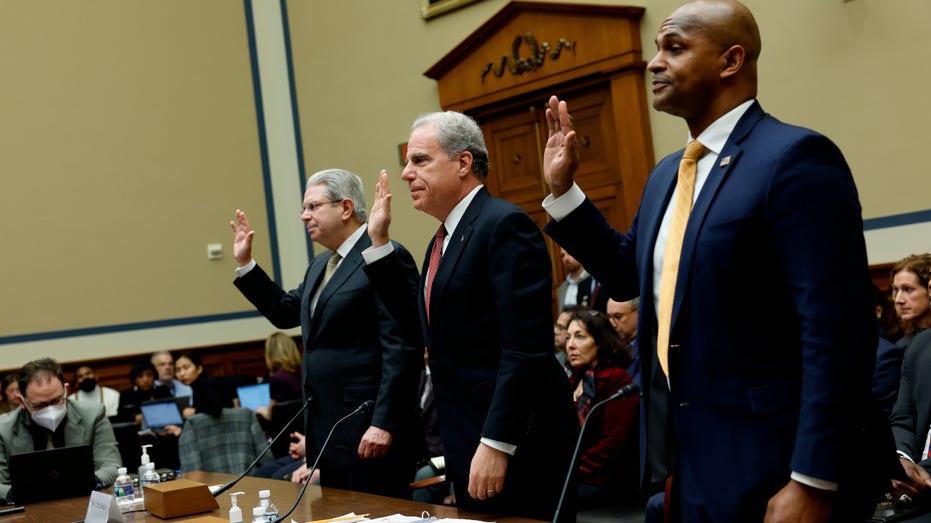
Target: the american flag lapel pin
pixel 724 161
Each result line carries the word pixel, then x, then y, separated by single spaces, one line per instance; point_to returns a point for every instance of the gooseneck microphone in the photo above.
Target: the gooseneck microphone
pixel 284 429
pixel 623 393
pixel 368 404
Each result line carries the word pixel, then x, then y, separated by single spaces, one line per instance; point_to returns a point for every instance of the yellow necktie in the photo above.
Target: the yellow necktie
pixel 685 190
pixel 330 268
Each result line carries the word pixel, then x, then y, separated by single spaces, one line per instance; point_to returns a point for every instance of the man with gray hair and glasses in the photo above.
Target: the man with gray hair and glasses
pixel 353 348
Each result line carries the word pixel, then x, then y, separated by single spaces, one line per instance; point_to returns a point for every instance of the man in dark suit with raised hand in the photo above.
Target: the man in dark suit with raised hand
pixel 756 338
pixel 353 349
pixel 484 301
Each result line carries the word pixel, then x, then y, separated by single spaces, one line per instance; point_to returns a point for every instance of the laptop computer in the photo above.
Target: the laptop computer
pixel 51 474
pixel 159 414
pixel 254 396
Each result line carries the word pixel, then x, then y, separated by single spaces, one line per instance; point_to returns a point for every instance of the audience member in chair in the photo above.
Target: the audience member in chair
pixel 910 277
pixel 49 420
pixel 559 333
pixel 911 419
pixel 89 390
pixel 207 397
pixel 432 445
pixel 284 365
pixel 623 316
pixel 142 376
pixel 10 390
pixel 608 459
pixel 165 366
pixel 283 468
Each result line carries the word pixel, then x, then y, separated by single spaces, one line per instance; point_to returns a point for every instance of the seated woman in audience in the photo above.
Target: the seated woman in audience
pixel 10 393
pixel 608 462
pixel 142 375
pixel 208 397
pixel 910 295
pixel 284 366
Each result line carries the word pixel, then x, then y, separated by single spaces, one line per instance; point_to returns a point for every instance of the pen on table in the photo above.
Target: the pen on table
pixel 351 518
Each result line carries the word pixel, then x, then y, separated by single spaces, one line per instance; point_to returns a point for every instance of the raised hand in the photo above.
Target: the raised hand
pixel 380 217
pixel 242 238
pixel 561 156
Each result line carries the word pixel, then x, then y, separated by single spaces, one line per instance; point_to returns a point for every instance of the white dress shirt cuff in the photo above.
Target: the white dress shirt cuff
pixel 903 455
pixel 814 482
pixel 560 207
pixel 373 254
pixel 244 270
pixel 500 445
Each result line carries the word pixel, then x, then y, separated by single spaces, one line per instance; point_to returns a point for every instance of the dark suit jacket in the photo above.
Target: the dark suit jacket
pixel 353 352
pixel 490 347
pixel 772 337
pixel 911 416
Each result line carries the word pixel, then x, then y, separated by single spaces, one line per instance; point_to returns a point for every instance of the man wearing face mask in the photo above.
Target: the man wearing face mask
pixel 89 390
pixel 47 419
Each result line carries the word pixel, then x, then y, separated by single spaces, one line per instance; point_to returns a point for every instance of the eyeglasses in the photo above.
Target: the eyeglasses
pixel 39 406
pixel 312 207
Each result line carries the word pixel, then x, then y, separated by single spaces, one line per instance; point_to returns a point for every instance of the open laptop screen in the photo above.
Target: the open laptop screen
pixel 45 475
pixel 254 396
pixel 159 414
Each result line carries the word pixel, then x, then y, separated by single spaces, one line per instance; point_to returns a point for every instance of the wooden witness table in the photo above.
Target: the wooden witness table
pixel 318 503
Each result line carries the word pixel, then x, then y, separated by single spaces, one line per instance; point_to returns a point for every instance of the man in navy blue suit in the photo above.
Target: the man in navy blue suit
pixel 761 410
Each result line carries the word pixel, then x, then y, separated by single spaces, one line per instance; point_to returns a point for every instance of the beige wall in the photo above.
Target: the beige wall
pixel 128 136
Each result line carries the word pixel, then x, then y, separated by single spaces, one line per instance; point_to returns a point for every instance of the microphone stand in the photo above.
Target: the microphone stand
pixel 623 393
pixel 361 408
pixel 284 429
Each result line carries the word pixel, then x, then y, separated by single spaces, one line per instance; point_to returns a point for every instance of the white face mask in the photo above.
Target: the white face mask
pixel 50 417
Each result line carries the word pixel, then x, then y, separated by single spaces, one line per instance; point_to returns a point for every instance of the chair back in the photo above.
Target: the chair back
pixel 228 443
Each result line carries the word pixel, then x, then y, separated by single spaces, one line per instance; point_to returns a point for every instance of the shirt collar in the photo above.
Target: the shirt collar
pixel 350 242
pixel 455 216
pixel 715 136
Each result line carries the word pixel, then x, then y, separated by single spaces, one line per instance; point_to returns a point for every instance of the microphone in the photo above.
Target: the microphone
pixel 365 407
pixel 284 429
pixel 623 393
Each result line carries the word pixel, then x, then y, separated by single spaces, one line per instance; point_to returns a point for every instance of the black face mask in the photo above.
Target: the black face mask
pixel 88 384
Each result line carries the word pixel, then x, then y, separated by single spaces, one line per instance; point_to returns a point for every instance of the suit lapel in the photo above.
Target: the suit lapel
pixel 347 268
pixel 709 192
pixel 74 434
pixel 454 250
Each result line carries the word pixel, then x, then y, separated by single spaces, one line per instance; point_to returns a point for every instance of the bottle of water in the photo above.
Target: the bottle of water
pixel 265 501
pixel 149 478
pixel 258 514
pixel 123 488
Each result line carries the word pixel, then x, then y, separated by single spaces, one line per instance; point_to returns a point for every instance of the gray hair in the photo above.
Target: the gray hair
pixel 634 303
pixel 341 184
pixel 456 133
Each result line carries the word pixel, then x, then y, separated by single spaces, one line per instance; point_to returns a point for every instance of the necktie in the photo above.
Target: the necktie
pixel 435 255
pixel 680 217
pixel 330 268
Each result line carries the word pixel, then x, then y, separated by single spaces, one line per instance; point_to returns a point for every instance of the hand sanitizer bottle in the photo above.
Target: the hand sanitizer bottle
pixel 235 511
pixel 143 461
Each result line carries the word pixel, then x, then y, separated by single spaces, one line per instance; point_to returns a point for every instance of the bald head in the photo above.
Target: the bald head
pixel 707 51
pixel 728 23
